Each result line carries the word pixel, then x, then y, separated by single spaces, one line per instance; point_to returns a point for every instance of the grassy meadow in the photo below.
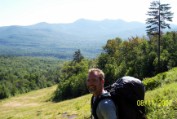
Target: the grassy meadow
pixel 160 98
pixel 37 105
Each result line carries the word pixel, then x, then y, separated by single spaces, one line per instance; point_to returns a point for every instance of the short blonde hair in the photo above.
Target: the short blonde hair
pixel 99 71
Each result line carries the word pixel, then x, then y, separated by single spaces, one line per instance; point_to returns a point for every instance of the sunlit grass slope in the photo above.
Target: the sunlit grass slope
pixel 37 105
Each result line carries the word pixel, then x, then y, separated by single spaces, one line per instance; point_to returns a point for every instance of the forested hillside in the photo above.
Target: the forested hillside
pixel 23 74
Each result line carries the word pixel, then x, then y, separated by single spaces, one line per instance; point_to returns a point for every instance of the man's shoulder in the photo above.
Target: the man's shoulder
pixel 104 100
pixel 106 103
pixel 104 107
pixel 107 109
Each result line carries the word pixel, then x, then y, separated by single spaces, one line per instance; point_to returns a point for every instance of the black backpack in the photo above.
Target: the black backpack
pixel 125 93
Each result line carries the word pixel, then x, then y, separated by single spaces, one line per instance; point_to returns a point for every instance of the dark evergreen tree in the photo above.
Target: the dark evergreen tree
pixel 158 15
pixel 77 57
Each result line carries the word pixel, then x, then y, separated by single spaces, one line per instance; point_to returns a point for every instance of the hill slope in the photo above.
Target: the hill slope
pixel 37 104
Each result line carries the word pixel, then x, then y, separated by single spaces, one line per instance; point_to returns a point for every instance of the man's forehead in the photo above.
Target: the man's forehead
pixel 95 73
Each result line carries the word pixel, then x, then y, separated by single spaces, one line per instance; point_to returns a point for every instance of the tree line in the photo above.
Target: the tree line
pixel 135 57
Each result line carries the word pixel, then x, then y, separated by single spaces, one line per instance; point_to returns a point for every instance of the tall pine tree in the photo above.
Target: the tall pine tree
pixel 77 57
pixel 158 15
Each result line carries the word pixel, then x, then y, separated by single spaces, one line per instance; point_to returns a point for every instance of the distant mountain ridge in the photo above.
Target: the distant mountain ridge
pixel 61 40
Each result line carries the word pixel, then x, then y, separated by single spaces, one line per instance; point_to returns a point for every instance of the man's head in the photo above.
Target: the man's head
pixel 95 81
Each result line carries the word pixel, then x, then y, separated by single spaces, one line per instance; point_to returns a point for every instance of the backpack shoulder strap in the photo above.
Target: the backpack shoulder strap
pixel 94 104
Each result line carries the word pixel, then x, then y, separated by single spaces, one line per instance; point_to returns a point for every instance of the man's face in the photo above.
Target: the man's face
pixel 94 84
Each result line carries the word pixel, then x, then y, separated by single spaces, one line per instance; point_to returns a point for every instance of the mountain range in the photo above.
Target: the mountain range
pixel 62 40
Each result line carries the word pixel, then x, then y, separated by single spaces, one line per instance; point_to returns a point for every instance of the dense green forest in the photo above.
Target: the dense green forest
pixel 136 57
pixel 23 74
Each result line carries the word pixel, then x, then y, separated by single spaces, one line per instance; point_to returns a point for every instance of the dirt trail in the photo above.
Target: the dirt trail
pixel 66 115
pixel 18 104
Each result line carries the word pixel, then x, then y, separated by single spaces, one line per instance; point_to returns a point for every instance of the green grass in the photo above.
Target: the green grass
pixel 163 102
pixel 162 95
pixel 38 105
pixel 161 79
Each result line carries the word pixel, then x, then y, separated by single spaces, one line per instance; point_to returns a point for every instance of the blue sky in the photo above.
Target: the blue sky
pixel 27 12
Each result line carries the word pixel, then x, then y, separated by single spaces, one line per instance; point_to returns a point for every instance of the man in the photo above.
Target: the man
pixel 105 109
